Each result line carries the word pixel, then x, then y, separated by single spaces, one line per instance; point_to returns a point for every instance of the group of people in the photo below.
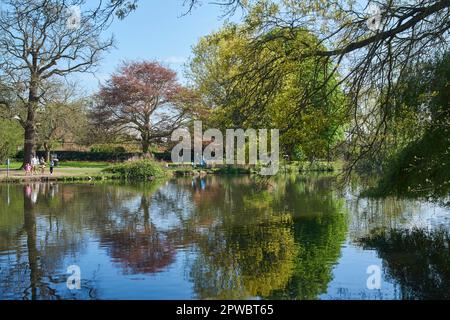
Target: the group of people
pixel 31 168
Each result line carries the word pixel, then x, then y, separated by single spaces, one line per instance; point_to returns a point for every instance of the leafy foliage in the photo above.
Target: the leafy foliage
pixel 421 169
pixel 308 128
pixel 11 136
pixel 417 161
pixel 138 170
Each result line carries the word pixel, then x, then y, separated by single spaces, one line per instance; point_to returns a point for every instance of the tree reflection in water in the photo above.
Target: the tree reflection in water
pixel 282 243
pixel 418 260
pixel 229 237
pixel 39 245
pixel 137 244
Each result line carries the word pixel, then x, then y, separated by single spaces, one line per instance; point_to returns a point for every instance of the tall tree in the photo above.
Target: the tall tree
pixel 309 127
pixel 145 100
pixel 43 40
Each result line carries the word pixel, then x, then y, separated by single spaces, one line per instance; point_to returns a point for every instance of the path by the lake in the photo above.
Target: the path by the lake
pixel 59 174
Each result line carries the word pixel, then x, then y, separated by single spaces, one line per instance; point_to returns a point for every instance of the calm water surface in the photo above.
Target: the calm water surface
pixel 219 237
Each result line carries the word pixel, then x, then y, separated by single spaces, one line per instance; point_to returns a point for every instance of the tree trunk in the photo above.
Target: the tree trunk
pixel 47 151
pixel 30 135
pixel 145 135
pixel 30 124
pixel 145 146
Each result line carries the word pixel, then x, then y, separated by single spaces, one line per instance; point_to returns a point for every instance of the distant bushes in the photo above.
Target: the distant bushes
pixel 137 170
pixel 105 148
pixel 97 155
pixel 11 136
pixel 83 156
pixel 163 156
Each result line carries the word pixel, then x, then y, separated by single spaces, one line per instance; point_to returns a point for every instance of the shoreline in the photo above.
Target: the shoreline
pixel 40 178
pixel 86 174
pixel 113 177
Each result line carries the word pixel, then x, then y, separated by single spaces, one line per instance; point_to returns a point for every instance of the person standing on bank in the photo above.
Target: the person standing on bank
pixel 42 164
pixel 34 164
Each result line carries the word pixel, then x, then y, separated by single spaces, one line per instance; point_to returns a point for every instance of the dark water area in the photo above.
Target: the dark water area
pixel 220 238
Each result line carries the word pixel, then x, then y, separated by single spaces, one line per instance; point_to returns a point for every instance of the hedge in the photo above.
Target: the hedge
pixel 97 156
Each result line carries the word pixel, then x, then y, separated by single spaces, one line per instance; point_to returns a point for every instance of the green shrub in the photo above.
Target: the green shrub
pixel 421 169
pixel 11 136
pixel 231 169
pixel 137 170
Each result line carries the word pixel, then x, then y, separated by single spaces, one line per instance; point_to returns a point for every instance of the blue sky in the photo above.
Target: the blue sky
pixel 156 31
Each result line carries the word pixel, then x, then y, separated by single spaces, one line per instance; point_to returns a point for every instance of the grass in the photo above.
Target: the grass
pixel 13 166
pixel 65 171
pixel 84 164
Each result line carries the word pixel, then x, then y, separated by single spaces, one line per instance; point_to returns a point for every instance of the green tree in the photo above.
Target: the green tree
pixel 218 70
pixel 11 137
pixel 63 117
pixel 416 160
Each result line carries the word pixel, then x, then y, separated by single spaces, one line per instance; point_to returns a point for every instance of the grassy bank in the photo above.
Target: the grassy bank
pixel 291 167
pixel 65 171
pixel 147 170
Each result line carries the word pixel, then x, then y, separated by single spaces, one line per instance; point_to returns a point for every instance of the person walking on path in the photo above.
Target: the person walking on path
pixel 28 169
pixel 52 166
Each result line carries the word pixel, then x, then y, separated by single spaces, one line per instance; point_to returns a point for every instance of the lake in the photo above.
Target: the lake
pixel 240 237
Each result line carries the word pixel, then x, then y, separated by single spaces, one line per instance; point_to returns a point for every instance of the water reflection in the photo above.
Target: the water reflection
pixel 35 246
pixel 135 242
pixel 208 237
pixel 419 260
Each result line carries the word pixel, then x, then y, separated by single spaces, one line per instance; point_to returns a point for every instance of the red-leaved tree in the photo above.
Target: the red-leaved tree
pixel 143 100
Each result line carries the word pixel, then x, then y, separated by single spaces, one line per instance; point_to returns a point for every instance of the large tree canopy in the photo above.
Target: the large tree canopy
pixel 143 99
pixel 43 40
pixel 416 157
pixel 308 127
